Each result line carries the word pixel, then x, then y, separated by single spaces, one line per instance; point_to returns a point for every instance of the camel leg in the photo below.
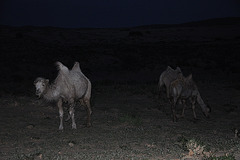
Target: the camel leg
pixel 183 102
pixel 184 107
pixel 193 107
pixel 89 112
pixel 71 113
pixel 174 109
pixel 59 104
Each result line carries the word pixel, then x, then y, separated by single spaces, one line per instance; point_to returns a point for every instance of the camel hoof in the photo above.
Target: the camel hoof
pixel 74 126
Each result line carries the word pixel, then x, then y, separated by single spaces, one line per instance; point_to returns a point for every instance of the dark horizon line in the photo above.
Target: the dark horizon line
pixel 204 22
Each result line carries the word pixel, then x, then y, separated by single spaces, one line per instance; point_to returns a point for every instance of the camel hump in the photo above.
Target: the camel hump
pixel 169 68
pixel 61 67
pixel 178 69
pixel 76 67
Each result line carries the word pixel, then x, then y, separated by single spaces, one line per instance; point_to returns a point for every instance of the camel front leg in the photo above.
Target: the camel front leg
pixel 71 113
pixel 173 107
pixel 60 108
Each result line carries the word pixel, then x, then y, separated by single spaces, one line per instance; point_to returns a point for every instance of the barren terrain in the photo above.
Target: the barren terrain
pixel 130 120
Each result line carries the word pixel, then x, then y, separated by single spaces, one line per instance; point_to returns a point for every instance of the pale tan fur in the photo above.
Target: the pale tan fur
pixel 69 86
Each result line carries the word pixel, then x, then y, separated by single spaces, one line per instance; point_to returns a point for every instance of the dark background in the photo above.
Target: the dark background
pixel 112 14
pixel 116 42
pixel 208 49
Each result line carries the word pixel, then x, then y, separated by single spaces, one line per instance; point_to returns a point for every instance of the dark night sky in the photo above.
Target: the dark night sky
pixel 112 13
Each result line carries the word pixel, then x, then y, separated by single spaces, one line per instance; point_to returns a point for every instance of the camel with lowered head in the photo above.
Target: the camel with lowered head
pixel 182 89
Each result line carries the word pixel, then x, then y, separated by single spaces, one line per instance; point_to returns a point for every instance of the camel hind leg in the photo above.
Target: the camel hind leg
pixel 193 101
pixel 71 113
pixel 184 107
pixel 173 108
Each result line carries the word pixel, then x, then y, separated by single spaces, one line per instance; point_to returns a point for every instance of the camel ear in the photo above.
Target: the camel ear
pixel 35 81
pixel 47 81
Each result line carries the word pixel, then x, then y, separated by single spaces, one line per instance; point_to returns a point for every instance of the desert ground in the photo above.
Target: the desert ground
pixel 131 119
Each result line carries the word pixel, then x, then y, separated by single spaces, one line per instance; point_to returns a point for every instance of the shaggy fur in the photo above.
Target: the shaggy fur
pixel 183 89
pixel 69 86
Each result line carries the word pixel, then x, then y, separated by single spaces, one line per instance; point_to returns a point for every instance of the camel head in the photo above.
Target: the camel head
pixel 41 86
